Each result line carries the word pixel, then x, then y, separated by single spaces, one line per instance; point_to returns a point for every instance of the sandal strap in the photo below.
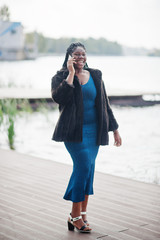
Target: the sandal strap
pixel 83 227
pixel 83 213
pixel 85 221
pixel 75 219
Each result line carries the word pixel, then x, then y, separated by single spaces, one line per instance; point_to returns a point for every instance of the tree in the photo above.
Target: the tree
pixel 4 13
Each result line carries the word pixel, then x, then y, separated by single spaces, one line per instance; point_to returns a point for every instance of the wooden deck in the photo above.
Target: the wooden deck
pixel 30 93
pixel 116 97
pixel 32 208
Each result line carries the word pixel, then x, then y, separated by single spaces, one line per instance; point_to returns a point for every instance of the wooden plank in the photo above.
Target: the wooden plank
pixel 111 220
pixel 30 93
pixel 121 236
pixel 155 228
pixel 5 237
pixel 154 205
pixel 108 238
pixel 31 191
pixel 13 232
pixel 140 234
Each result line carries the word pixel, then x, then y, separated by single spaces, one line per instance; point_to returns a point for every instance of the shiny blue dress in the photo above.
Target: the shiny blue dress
pixel 84 153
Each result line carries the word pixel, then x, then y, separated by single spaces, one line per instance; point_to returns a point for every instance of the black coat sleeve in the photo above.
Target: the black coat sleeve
pixel 113 125
pixel 61 91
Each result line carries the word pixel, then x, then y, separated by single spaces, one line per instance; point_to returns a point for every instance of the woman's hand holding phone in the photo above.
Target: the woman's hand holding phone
pixel 70 65
pixel 71 69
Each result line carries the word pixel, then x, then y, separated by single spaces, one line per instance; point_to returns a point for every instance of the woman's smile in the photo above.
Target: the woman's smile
pixel 80 61
pixel 80 56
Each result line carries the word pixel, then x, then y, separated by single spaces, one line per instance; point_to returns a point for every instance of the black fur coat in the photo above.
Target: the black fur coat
pixel 69 98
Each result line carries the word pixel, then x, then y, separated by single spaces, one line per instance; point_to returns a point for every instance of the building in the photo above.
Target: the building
pixel 12 42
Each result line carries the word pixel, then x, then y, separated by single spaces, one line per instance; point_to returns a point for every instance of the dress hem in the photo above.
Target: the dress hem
pixel 69 199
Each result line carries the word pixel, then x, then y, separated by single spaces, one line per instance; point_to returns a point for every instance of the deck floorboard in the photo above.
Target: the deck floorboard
pixel 32 207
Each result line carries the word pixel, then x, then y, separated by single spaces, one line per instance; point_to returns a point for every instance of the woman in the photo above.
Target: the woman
pixel 83 125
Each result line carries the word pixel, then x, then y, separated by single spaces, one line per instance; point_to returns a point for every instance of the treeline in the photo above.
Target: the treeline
pixel 154 53
pixel 99 46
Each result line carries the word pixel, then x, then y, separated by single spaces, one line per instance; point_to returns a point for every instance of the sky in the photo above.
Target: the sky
pixel 134 23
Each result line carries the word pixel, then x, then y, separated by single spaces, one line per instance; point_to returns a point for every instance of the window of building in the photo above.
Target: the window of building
pixel 13 31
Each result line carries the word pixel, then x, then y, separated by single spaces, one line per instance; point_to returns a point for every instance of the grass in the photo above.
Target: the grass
pixel 9 109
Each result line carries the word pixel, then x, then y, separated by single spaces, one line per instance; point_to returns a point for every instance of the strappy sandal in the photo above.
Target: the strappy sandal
pixel 71 225
pixel 85 221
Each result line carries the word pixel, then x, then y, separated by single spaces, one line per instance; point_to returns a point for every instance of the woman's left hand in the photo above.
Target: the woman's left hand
pixel 117 139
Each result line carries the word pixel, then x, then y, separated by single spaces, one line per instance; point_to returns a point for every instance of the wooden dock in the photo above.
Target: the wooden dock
pixel 116 97
pixel 32 208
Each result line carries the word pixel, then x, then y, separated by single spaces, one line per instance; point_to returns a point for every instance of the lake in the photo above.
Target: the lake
pixel 140 74
pixel 139 156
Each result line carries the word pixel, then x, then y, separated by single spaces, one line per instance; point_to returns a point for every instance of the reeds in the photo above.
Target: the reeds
pixel 9 109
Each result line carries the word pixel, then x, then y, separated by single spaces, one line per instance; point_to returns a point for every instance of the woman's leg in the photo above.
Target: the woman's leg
pixel 76 211
pixel 84 207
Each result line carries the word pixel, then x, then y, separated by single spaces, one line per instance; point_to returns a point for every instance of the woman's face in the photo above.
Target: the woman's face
pixel 79 55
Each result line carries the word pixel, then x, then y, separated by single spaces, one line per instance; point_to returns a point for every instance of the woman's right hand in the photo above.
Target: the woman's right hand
pixel 70 65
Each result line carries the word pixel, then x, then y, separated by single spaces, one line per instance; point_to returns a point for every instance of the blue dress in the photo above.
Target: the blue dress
pixel 84 153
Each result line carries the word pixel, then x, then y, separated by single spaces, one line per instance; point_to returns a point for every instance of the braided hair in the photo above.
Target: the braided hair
pixel 70 50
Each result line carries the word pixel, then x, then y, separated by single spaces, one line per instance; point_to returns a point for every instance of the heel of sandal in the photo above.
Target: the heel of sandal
pixel 70 226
